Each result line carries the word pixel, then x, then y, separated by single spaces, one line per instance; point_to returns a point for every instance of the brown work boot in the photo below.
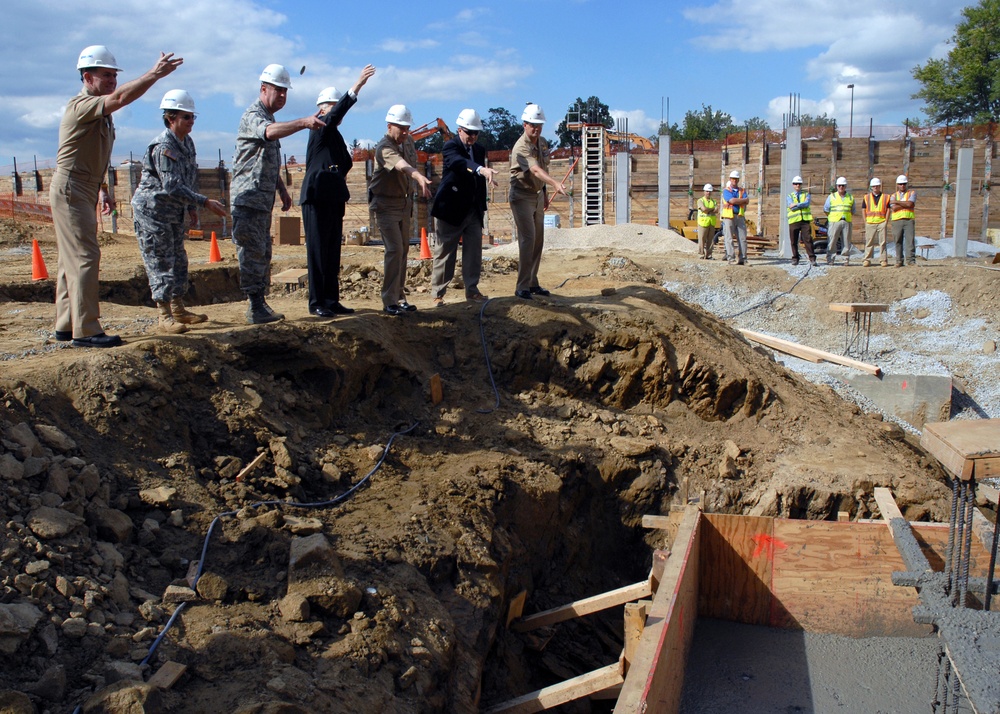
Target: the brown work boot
pixel 168 325
pixel 183 315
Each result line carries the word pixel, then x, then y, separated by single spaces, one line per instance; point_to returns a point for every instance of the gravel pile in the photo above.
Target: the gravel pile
pixel 647 240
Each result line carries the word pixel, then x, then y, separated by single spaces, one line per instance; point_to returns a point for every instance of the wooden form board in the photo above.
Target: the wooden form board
pixel 965 448
pixel 656 677
pixel 858 307
pixel 810 354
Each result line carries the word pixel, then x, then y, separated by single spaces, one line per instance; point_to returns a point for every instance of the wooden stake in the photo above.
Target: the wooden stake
pixel 437 392
pixel 248 469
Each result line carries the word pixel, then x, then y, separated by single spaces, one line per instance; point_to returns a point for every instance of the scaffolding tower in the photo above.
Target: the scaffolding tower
pixel 593 174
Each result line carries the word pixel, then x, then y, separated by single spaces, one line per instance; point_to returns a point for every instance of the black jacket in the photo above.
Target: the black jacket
pixel 327 149
pixel 462 190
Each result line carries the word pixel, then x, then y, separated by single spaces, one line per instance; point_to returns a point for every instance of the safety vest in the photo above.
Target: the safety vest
pixel 902 214
pixel 727 208
pixel 797 215
pixel 877 208
pixel 841 208
pixel 706 219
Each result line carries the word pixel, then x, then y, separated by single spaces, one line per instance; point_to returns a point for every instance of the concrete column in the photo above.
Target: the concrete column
pixel 791 164
pixel 963 198
pixel 663 183
pixel 623 198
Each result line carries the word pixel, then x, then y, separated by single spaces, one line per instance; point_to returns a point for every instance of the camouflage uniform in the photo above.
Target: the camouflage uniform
pixel 164 195
pixel 256 165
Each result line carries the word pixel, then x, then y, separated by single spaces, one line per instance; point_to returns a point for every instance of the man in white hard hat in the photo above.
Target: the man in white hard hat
pixel 708 221
pixel 529 175
pixel 390 196
pixel 256 177
pixel 901 205
pixel 839 209
pixel 324 198
pixel 799 215
pixel 86 136
pixel 734 223
pixel 458 209
pixel 875 207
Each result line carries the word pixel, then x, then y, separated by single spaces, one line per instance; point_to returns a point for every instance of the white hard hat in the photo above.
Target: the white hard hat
pixel 399 114
pixel 875 182
pixel 901 179
pixel 533 114
pixel 734 174
pixel 708 187
pixel 797 179
pixel 469 119
pixel 97 56
pixel 178 100
pixel 330 95
pixel 841 181
pixel 277 75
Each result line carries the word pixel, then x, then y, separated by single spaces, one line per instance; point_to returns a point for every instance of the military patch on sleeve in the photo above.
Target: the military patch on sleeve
pixel 169 154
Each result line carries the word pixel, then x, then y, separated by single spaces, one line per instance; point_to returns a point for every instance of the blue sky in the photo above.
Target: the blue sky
pixel 742 57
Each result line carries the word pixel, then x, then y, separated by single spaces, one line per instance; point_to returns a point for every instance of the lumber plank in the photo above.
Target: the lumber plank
pixel 655 679
pixel 735 568
pixel 585 606
pixel 635 621
pixel 516 607
pixel 568 691
pixel 249 468
pixel 887 505
pixel 167 675
pixel 810 354
pixel 960 446
pixel 902 534
pixel 437 392
pixel 852 307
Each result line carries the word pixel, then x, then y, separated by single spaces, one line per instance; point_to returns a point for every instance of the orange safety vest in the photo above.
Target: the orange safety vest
pixel 903 214
pixel 876 212
pixel 727 208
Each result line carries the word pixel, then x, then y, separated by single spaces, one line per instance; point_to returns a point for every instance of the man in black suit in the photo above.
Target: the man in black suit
pixel 323 198
pixel 458 209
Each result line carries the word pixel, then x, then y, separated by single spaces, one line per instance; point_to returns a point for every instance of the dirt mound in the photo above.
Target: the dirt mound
pixel 608 406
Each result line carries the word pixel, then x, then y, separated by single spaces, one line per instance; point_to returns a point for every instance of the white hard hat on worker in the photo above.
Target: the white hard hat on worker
pixel 277 75
pixel 533 114
pixel 399 115
pixel 177 100
pixel 875 182
pixel 708 187
pixel 330 95
pixel 902 179
pixel 97 56
pixel 734 175
pixel 841 181
pixel 469 119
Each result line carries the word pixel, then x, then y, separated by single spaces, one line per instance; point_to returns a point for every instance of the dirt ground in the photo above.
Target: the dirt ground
pixel 613 399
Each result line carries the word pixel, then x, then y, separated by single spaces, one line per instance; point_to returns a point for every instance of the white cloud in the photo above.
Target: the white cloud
pixel 400 46
pixel 638 122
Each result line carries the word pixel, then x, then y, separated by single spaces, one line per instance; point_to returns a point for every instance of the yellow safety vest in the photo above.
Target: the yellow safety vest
pixel 841 207
pixel 797 215
pixel 706 219
pixel 727 208
pixel 877 207
pixel 902 214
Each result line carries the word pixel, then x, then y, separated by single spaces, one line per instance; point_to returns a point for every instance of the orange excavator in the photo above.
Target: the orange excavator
pixel 616 139
pixel 431 128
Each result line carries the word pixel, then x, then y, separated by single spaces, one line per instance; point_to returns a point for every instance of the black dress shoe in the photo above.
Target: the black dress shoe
pixel 539 291
pixel 393 310
pixel 523 294
pixel 321 312
pixel 101 340
pixel 64 335
pixel 341 310
pixel 403 305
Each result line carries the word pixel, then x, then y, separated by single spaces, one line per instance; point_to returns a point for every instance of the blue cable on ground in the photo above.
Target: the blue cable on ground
pixel 769 300
pixel 287 504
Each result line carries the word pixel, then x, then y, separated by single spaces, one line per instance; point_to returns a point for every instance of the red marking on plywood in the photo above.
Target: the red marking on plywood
pixel 767 543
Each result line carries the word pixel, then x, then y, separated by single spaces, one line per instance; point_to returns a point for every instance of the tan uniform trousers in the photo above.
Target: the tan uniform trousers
pixel 529 218
pixel 74 213
pixel 875 234
pixel 392 215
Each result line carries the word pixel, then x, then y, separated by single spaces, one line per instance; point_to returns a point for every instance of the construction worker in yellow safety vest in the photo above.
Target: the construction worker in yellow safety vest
pixel 708 221
pixel 839 210
pixel 901 205
pixel 734 225
pixel 799 216
pixel 875 206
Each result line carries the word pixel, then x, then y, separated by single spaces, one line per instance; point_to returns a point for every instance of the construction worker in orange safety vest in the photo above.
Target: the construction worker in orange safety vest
pixel 875 206
pixel 734 225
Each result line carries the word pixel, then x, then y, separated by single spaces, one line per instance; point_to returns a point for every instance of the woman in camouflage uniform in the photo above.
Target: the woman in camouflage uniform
pixel 165 192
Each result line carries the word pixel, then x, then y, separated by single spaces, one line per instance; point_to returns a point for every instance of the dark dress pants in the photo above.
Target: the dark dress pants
pixel 324 224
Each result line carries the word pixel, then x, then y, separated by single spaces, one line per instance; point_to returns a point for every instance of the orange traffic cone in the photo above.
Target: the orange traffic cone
pixel 214 256
pixel 38 271
pixel 425 250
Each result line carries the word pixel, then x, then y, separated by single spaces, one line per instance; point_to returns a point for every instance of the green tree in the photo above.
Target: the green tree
pixel 756 124
pixel 965 86
pixel 822 120
pixel 591 111
pixel 501 130
pixel 432 144
pixel 706 124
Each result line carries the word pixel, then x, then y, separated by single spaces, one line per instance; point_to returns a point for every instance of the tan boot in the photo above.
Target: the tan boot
pixel 183 315
pixel 168 325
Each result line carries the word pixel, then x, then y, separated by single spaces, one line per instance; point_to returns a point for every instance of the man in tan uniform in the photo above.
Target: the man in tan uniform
pixel 529 164
pixel 86 136
pixel 389 196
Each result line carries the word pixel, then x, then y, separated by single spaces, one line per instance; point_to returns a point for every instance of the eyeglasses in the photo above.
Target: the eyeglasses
pixel 796 184
pixel 470 132
pixel 186 117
